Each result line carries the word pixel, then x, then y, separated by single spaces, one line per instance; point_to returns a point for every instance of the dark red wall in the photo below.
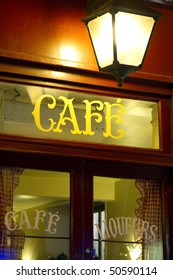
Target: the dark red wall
pixel 159 59
pixel 42 27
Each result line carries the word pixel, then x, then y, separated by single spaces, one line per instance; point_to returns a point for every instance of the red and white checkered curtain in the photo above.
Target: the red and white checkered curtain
pixel 11 243
pixel 149 210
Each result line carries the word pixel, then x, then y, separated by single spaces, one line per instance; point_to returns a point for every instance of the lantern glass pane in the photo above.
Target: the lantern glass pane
pixel 100 30
pixel 132 36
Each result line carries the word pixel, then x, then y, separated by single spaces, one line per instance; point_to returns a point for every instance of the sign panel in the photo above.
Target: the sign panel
pixel 66 115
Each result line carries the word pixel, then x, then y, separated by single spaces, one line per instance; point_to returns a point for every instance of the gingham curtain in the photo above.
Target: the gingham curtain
pixel 11 243
pixel 150 210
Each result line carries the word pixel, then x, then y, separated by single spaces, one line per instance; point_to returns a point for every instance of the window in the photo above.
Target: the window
pixel 35 214
pixel 52 113
pixel 130 227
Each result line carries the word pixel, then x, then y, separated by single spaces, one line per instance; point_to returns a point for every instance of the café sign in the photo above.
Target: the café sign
pixel 105 112
pixel 113 228
pixel 50 221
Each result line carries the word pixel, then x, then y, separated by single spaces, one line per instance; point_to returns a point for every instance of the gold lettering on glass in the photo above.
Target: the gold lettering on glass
pixel 105 112
pixel 37 113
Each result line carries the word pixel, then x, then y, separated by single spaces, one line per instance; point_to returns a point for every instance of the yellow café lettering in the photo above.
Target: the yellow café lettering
pixel 90 115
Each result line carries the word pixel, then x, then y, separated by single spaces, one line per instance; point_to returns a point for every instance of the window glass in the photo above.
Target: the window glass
pixel 39 112
pixel 127 219
pixel 35 214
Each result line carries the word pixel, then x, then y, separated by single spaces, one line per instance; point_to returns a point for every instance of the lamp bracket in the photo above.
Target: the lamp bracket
pixel 120 72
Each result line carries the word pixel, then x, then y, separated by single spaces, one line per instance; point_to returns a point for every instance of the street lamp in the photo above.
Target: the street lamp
pixel 120 31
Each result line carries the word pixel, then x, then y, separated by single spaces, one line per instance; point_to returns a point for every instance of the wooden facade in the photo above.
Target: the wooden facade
pixel 32 34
